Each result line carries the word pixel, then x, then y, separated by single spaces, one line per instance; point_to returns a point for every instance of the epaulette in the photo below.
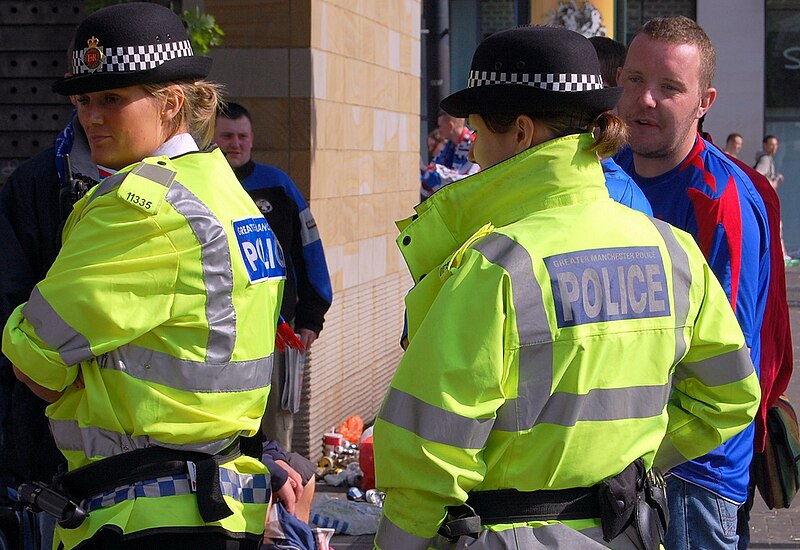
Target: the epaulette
pixel 147 184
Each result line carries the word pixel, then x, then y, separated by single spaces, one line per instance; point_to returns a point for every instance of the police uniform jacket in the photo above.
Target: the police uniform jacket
pixel 164 298
pixel 554 338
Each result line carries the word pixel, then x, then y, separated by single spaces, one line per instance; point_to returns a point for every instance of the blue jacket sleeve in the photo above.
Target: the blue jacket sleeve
pixel 314 291
pixel 270 453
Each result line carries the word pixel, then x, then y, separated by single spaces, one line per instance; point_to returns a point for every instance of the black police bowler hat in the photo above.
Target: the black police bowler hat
pixel 533 69
pixel 129 44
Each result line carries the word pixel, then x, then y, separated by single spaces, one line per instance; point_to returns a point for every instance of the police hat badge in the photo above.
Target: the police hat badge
pixel 92 55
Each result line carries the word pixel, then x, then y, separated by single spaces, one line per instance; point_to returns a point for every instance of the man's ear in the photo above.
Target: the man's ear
pixel 707 98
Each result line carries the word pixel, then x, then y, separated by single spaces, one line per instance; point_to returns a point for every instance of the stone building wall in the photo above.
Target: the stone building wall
pixel 334 88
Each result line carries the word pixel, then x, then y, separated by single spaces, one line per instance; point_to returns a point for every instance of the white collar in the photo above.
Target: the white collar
pixel 177 145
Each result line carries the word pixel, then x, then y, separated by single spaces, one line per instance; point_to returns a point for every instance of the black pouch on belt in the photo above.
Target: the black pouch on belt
pixel 638 498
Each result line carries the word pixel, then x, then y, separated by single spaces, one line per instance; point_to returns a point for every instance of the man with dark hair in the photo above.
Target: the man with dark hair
pixel 667 88
pixel 611 55
pixel 307 294
pixel 733 145
pixel 621 186
pixel 765 161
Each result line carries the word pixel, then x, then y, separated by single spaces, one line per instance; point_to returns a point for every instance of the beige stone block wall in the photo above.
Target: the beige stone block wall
pixel 334 88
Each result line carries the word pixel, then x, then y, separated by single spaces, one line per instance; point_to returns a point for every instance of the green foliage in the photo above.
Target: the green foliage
pixel 203 30
pixel 204 33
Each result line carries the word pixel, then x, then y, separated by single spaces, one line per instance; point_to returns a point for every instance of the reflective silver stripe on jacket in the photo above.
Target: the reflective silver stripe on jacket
pixel 145 364
pixel 432 423
pixel 217 271
pixel 186 375
pixel 94 441
pixel 681 285
pixel 718 371
pixel 534 405
pixel 535 338
pixel 247 488
pixel 107 185
pixel 390 536
pixel 566 409
pixel 71 345
pixel 309 232
pixel 215 254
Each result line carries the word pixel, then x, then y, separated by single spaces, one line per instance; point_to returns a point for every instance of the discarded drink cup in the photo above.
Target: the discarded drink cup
pixel 322 536
pixel 332 442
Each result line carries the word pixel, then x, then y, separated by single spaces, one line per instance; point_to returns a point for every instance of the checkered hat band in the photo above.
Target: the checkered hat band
pixel 552 82
pixel 133 58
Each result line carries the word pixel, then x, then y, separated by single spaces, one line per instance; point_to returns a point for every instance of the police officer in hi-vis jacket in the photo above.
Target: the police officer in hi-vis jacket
pixel 152 334
pixel 563 349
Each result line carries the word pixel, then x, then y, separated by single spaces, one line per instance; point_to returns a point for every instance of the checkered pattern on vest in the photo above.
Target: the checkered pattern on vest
pixel 250 488
pixel 553 82
pixel 133 58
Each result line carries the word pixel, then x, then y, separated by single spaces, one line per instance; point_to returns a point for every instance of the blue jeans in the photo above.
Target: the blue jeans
pixel 699 519
pixel 47 528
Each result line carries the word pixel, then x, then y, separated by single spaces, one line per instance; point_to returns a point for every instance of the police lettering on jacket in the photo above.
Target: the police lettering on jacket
pixel 608 284
pixel 261 253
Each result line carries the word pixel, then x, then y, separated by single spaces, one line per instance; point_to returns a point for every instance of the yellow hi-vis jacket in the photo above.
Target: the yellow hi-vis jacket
pixel 164 298
pixel 555 336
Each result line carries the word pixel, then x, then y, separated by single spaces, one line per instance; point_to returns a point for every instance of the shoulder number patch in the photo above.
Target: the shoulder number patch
pixel 261 253
pixel 145 187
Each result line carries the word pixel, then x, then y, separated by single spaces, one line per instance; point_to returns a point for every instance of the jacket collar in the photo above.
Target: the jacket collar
pixel 555 173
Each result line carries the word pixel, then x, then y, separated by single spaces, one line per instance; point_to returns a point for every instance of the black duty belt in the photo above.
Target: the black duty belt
pixel 512 506
pixel 633 497
pixel 150 463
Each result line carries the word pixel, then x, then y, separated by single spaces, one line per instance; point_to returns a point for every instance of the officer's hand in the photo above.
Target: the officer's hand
pixel 307 337
pixel 294 480
pixel 286 495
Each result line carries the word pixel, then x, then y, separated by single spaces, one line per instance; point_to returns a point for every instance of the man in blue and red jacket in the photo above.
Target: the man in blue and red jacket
pixel 691 184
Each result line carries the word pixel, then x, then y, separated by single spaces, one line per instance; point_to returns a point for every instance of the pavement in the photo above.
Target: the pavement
pixel 768 528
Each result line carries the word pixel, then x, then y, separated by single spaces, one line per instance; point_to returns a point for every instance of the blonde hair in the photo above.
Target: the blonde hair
pixel 199 109
pixel 609 130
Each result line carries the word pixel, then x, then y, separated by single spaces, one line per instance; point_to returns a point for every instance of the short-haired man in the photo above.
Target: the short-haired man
pixel 451 164
pixel 620 185
pixel 611 55
pixel 765 161
pixel 733 145
pixel 667 88
pixel 307 294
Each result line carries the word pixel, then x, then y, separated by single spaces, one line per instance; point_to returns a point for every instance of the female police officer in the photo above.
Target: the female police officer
pixel 560 344
pixel 152 333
